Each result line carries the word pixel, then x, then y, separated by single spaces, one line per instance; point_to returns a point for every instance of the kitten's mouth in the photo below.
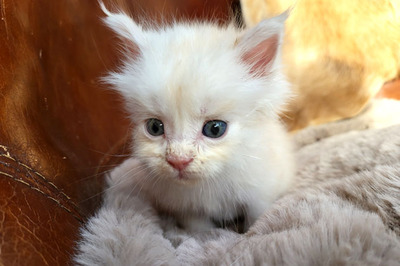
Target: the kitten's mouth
pixel 185 177
pixel 182 176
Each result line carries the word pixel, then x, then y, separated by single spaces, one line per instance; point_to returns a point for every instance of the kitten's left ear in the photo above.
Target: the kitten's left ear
pixel 260 45
pixel 130 32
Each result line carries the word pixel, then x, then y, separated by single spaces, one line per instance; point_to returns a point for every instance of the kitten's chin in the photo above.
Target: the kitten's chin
pixel 185 178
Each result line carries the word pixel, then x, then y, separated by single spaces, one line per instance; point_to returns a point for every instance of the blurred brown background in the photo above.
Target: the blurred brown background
pixel 59 126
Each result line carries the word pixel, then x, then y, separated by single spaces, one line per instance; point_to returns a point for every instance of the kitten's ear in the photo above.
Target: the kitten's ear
pixel 260 45
pixel 130 33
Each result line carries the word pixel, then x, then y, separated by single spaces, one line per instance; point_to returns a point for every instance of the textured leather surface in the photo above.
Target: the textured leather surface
pixel 59 127
pixel 37 220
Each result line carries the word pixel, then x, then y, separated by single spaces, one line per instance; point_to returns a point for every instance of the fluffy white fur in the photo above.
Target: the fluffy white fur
pixel 188 74
pixel 344 210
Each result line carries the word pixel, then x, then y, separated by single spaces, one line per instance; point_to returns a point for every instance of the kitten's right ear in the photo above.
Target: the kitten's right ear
pixel 260 45
pixel 129 32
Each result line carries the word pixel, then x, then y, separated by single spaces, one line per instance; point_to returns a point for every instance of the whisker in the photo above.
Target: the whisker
pixel 110 154
pixel 124 176
pixel 251 156
pixel 108 166
pixel 91 176
pixel 142 183
pixel 105 165
pixel 124 180
pixel 156 181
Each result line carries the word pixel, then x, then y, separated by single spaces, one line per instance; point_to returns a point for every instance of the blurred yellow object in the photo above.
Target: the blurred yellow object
pixel 337 54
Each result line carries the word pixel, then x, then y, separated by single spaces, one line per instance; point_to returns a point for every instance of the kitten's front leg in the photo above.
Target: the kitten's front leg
pixel 196 223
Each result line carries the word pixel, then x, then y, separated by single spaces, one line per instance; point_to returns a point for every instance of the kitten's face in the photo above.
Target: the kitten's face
pixel 189 119
pixel 196 94
pixel 187 136
pixel 186 148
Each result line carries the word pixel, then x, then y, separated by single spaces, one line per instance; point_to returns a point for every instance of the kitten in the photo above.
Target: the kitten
pixel 208 145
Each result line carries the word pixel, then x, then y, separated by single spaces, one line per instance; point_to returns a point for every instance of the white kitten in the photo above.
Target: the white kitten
pixel 203 98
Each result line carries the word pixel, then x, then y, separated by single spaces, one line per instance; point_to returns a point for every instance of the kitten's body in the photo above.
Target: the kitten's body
pixel 186 75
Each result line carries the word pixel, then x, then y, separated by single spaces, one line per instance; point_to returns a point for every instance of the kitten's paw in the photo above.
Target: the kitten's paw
pixel 124 237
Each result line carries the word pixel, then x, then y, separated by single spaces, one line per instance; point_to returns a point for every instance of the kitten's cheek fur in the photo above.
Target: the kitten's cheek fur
pixel 122 179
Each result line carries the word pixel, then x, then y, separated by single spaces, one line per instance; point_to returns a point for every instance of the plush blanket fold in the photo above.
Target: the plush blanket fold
pixel 344 210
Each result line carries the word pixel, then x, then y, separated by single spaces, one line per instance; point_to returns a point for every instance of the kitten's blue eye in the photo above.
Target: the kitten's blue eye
pixel 155 127
pixel 214 128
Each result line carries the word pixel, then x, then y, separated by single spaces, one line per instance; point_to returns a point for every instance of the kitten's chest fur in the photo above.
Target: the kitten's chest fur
pixel 214 200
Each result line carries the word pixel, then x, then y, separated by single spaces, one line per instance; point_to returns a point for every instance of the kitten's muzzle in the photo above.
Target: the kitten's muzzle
pixel 179 162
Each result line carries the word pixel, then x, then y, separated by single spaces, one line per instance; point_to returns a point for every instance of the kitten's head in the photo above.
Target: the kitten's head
pixel 198 93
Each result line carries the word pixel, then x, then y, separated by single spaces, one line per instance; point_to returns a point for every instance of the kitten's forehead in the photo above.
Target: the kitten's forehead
pixel 191 53
pixel 193 34
pixel 193 68
pixel 184 72
pixel 181 104
pixel 191 99
pixel 188 69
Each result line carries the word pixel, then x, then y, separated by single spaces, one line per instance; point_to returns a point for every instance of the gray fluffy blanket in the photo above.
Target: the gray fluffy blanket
pixel 344 210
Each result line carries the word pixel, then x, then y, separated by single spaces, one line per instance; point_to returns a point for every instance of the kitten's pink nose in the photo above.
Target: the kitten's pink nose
pixel 179 163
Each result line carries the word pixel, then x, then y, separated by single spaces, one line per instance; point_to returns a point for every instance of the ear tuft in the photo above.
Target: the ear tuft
pixel 260 45
pixel 261 56
pixel 124 26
